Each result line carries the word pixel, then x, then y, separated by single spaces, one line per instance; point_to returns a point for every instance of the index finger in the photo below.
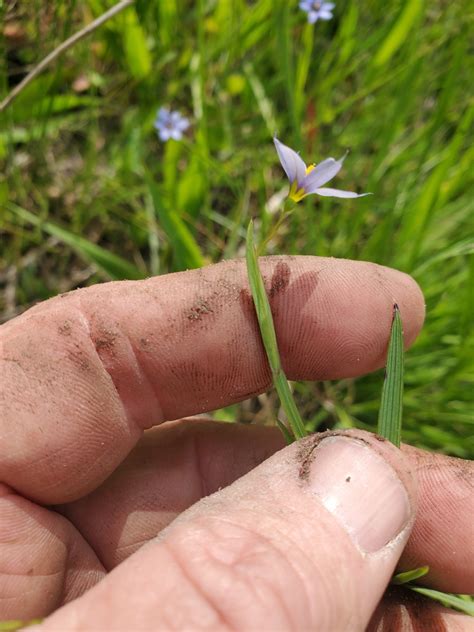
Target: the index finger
pixel 85 373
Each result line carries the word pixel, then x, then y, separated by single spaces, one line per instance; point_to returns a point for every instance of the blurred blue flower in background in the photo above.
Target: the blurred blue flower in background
pixel 317 10
pixel 306 180
pixel 170 124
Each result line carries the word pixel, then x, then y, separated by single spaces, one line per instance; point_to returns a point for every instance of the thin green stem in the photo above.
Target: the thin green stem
pixel 267 330
pixel 288 208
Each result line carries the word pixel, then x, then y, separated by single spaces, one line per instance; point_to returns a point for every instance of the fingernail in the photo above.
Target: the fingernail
pixel 361 490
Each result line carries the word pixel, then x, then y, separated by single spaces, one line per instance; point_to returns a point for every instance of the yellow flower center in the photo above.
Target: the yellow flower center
pixel 296 194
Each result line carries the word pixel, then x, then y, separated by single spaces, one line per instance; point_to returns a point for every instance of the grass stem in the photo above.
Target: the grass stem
pixel 267 330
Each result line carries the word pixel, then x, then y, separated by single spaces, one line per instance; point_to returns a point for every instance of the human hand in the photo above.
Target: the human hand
pixel 86 490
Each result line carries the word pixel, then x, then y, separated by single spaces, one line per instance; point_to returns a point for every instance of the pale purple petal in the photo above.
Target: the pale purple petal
pixel 291 162
pixel 322 173
pixel 339 194
pixel 163 113
pixel 317 10
pixel 164 134
pixel 182 125
pixel 170 124
pixel 177 119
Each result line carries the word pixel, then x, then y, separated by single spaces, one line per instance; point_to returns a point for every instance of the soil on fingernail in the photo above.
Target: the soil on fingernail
pixel 306 453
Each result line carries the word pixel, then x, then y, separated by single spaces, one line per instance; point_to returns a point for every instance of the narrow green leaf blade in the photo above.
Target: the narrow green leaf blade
pixel 137 55
pixel 465 605
pixel 267 330
pixel 262 306
pixel 407 20
pixel 264 104
pixel 111 264
pixel 410 576
pixel 289 438
pixel 10 626
pixel 390 413
pixel 185 248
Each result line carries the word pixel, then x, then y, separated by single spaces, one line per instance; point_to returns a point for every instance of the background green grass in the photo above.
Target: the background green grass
pixel 88 193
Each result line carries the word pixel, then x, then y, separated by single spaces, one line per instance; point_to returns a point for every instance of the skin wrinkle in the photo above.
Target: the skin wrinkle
pixel 230 524
pixel 78 582
pixel 194 583
pixel 132 545
pixel 85 407
pixel 60 571
pixel 87 325
pixel 296 570
pixel 326 583
pixel 270 587
pixel 94 550
pixel 54 540
pixel 151 386
pixel 99 349
pixel 194 578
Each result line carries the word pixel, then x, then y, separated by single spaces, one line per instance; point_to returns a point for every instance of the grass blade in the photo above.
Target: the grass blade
pixel 186 250
pixel 407 20
pixel 263 102
pixel 289 438
pixel 114 266
pixel 410 576
pixel 465 605
pixel 390 413
pixel 137 55
pixel 267 330
pixel 11 626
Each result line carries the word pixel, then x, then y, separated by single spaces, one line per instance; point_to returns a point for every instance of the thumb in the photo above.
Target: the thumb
pixel 307 540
